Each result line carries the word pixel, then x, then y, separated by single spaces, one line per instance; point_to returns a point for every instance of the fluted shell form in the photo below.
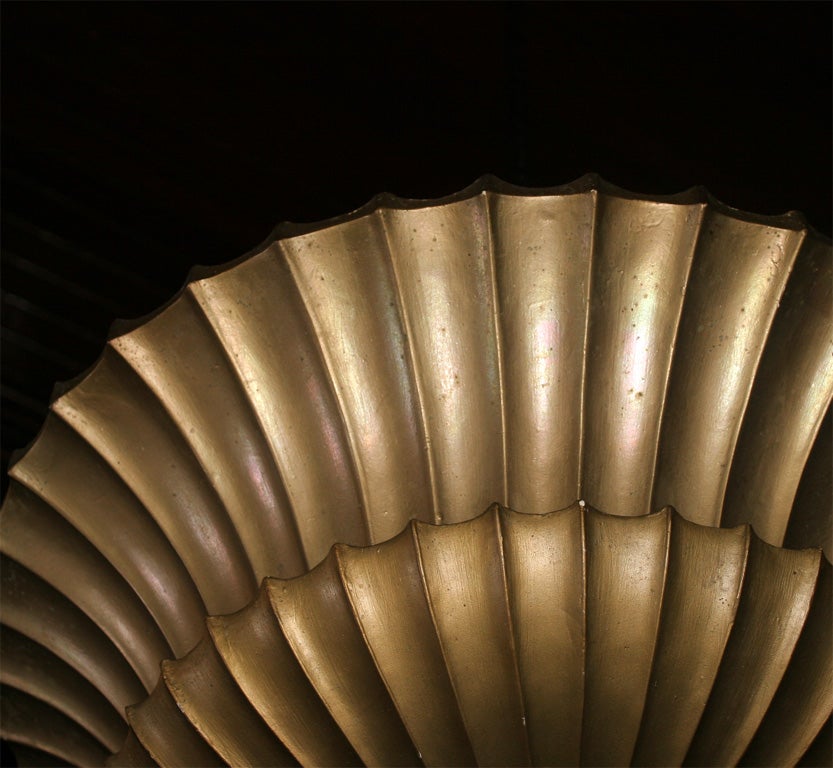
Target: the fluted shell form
pixel 573 638
pixel 410 360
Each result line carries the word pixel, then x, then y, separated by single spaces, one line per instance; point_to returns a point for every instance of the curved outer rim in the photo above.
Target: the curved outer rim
pixel 589 182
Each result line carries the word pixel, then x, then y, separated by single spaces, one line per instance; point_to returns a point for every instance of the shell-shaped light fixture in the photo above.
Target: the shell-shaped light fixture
pixel 573 638
pixel 412 360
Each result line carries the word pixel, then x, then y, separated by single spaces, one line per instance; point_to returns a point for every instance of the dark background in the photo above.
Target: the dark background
pixel 141 139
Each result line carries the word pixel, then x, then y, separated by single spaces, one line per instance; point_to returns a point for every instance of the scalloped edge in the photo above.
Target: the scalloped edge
pixel 578 507
pixel 589 182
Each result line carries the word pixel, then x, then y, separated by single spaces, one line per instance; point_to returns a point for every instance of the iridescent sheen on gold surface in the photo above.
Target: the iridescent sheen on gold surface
pixel 573 638
pixel 411 360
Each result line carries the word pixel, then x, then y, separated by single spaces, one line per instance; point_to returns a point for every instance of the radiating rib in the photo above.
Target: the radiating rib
pixel 387 595
pixel 542 279
pixel 179 357
pixel 32 669
pixel 642 255
pixel 167 735
pixel 408 353
pixel 28 527
pixel 231 726
pixel 257 654
pixel 804 699
pixel 314 610
pixel 777 590
pixel 441 258
pixel 363 343
pixel 793 388
pixel 39 612
pixel 76 481
pixel 545 574
pixel 25 719
pixel 626 569
pixel 737 277
pixel 257 312
pixel 810 523
pixel 475 632
pixel 137 437
pixel 500 352
pixel 705 573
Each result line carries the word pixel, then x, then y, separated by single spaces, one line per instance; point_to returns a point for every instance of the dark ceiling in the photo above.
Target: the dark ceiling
pixel 139 139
